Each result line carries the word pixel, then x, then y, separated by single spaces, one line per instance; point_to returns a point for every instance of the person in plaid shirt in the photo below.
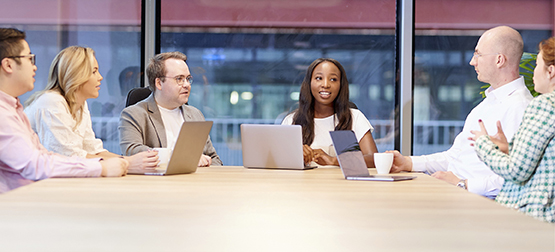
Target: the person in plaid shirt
pixel 528 163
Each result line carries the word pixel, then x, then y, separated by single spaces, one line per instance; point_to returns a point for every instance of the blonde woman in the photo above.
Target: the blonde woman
pixel 60 116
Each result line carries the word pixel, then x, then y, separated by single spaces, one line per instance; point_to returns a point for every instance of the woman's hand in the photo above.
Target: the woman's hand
pixel 308 154
pixel 322 158
pixel 478 133
pixel 498 139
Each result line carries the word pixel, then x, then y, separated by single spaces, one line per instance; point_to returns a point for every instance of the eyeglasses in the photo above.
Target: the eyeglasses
pixel 477 55
pixel 30 56
pixel 180 79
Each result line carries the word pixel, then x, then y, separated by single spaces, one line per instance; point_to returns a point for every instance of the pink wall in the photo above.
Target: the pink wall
pixel 52 12
pixel 371 14
pixel 481 14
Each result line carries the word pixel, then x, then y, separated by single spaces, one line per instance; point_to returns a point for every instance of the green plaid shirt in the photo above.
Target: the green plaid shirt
pixel 529 170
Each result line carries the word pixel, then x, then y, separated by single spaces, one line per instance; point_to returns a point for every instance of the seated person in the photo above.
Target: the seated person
pixel 496 58
pixel 156 121
pixel 528 163
pixel 22 158
pixel 60 116
pixel 324 106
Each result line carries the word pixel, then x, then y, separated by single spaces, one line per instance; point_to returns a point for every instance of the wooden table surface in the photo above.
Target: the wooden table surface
pixel 238 209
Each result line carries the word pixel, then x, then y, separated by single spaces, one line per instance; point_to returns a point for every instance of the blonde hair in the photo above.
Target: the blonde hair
pixel 70 69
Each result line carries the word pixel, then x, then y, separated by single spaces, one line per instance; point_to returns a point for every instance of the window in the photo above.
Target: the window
pixel 250 72
pixel 445 85
pixel 111 28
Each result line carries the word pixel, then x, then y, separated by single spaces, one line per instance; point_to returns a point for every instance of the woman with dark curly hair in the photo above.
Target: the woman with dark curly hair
pixel 324 106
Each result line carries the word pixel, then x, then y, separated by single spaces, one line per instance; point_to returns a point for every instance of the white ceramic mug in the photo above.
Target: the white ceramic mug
pixel 383 162
pixel 164 155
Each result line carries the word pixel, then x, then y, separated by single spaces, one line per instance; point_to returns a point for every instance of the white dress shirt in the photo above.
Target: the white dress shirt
pixel 23 159
pixel 506 104
pixel 50 118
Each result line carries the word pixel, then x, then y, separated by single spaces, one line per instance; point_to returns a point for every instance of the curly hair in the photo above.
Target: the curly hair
pixel 304 115
pixel 547 47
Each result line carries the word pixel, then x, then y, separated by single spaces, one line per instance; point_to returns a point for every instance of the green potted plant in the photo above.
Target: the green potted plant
pixel 527 65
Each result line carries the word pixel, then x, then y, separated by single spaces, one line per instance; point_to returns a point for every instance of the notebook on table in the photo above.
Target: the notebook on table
pixel 351 160
pixel 273 146
pixel 188 149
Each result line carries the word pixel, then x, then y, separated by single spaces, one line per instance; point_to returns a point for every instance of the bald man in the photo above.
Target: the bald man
pixel 496 58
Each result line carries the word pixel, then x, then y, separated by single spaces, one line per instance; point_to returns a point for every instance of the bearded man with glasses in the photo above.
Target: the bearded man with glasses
pixel 155 122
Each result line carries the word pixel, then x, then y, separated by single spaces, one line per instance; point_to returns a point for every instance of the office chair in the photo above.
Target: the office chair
pixel 136 95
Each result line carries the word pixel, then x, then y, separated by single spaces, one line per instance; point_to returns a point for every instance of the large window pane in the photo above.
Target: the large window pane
pixel 445 85
pixel 251 72
pixel 111 28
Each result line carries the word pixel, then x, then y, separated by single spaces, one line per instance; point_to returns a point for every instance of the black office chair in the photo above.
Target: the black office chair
pixel 352 105
pixel 136 95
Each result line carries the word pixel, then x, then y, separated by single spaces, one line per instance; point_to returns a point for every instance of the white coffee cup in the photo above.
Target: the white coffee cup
pixel 383 162
pixel 164 155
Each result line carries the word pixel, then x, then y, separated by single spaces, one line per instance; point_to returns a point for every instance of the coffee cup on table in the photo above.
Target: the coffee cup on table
pixel 383 162
pixel 164 155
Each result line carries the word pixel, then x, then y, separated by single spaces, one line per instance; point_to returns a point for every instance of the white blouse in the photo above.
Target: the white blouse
pixel 322 127
pixel 50 118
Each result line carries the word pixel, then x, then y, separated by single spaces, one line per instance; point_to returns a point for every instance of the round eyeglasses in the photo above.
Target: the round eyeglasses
pixel 181 79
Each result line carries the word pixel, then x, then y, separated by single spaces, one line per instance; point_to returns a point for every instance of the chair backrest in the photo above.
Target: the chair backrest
pixel 136 95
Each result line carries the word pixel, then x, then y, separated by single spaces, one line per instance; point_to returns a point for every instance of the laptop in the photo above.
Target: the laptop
pixel 273 146
pixel 351 159
pixel 188 148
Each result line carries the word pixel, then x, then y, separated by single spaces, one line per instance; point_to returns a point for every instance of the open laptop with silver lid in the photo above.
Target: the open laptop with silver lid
pixel 351 160
pixel 273 146
pixel 188 149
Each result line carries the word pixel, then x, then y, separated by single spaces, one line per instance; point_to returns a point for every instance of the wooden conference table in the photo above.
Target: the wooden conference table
pixel 238 209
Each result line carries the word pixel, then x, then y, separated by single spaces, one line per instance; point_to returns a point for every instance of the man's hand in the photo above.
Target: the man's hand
pixel 400 162
pixel 114 167
pixel 204 161
pixel 322 158
pixel 448 177
pixel 146 160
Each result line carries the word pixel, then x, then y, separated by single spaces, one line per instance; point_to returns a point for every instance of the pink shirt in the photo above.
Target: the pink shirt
pixel 24 160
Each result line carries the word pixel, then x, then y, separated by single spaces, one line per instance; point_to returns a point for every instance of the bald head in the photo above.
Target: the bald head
pixel 497 55
pixel 507 41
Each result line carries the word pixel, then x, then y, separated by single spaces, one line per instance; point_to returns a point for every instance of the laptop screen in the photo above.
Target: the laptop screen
pixel 272 146
pixel 348 152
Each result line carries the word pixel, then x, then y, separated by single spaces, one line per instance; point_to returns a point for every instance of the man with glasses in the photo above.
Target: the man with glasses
pixel 22 158
pixel 156 121
pixel 496 61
